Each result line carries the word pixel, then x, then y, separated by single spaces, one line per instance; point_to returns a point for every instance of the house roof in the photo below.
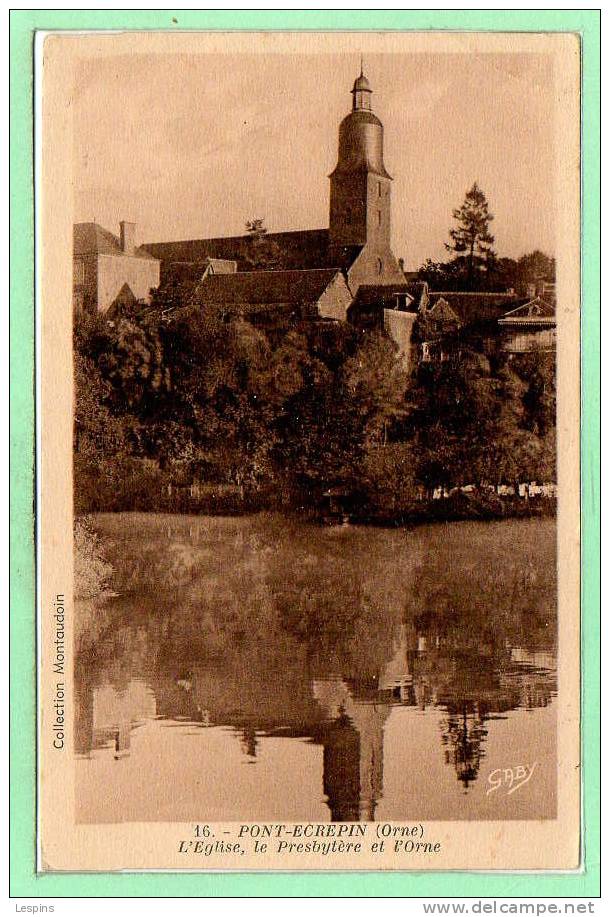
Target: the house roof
pixel 179 272
pixel 418 290
pixel 265 287
pixel 93 239
pixel 441 310
pixel 476 307
pixel 536 311
pixel 222 265
pixel 301 250
pixel 373 294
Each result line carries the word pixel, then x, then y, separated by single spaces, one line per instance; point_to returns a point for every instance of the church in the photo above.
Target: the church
pixel 331 270
pixel 346 272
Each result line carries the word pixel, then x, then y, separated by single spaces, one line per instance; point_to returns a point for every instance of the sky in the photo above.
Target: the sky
pixel 193 145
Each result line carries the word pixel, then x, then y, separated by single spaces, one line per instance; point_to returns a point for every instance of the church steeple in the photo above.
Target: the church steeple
pixel 360 184
pixel 360 196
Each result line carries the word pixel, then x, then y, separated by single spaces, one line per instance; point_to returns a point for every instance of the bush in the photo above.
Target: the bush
pixel 91 571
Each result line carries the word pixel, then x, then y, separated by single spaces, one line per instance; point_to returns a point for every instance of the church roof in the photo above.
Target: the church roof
pixel 302 249
pixel 361 84
pixel 265 287
pixel 361 144
pixel 93 239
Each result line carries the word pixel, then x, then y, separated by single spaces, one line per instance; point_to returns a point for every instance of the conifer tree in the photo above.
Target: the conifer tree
pixel 471 240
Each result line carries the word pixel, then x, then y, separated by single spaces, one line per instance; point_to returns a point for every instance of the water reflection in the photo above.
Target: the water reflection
pixel 273 630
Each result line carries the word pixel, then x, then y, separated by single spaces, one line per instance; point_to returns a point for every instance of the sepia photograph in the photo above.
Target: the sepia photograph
pixel 310 420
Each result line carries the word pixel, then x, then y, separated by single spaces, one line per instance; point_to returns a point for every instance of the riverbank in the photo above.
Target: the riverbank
pixel 216 500
pixel 460 507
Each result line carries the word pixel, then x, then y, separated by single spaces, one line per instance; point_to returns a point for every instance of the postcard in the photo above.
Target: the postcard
pixel 309 339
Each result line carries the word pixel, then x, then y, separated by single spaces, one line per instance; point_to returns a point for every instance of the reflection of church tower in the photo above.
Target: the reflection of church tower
pixel 249 742
pixel 353 752
pixel 342 770
pixel 360 193
pixel 397 677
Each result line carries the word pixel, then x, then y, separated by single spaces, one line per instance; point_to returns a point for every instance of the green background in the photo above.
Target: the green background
pixel 24 881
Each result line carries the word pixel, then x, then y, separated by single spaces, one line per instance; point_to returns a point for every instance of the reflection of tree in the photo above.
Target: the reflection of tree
pixel 468 618
pixel 457 666
pixel 463 734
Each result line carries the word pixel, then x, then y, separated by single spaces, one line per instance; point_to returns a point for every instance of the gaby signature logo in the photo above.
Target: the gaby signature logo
pixel 511 778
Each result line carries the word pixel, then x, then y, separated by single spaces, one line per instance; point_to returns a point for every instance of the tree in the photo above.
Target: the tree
pixel 263 253
pixel 441 276
pixel 534 268
pixel 471 240
pixel 376 382
pixel 341 409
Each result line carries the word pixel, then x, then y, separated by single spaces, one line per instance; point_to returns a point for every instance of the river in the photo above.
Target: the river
pixel 260 668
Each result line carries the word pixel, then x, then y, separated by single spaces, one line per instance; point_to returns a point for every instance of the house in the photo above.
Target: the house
pixel 390 308
pixel 477 308
pixel 318 272
pixel 372 300
pixel 110 270
pixel 494 322
pixel 531 327
pixel 439 327
pixel 180 272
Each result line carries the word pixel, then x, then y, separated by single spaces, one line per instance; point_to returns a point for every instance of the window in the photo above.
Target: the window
pixel 379 189
pixel 379 217
pixel 379 266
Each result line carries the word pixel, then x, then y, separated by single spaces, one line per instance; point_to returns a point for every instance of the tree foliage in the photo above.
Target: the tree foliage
pixel 209 397
pixel 263 253
pixel 471 423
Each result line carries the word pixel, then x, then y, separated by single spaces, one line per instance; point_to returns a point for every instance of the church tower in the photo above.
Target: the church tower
pixel 360 194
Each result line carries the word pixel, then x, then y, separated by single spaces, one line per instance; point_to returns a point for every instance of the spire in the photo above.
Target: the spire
pixel 361 91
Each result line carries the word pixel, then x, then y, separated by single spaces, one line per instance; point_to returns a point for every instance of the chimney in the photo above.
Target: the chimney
pixel 401 264
pixel 128 237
